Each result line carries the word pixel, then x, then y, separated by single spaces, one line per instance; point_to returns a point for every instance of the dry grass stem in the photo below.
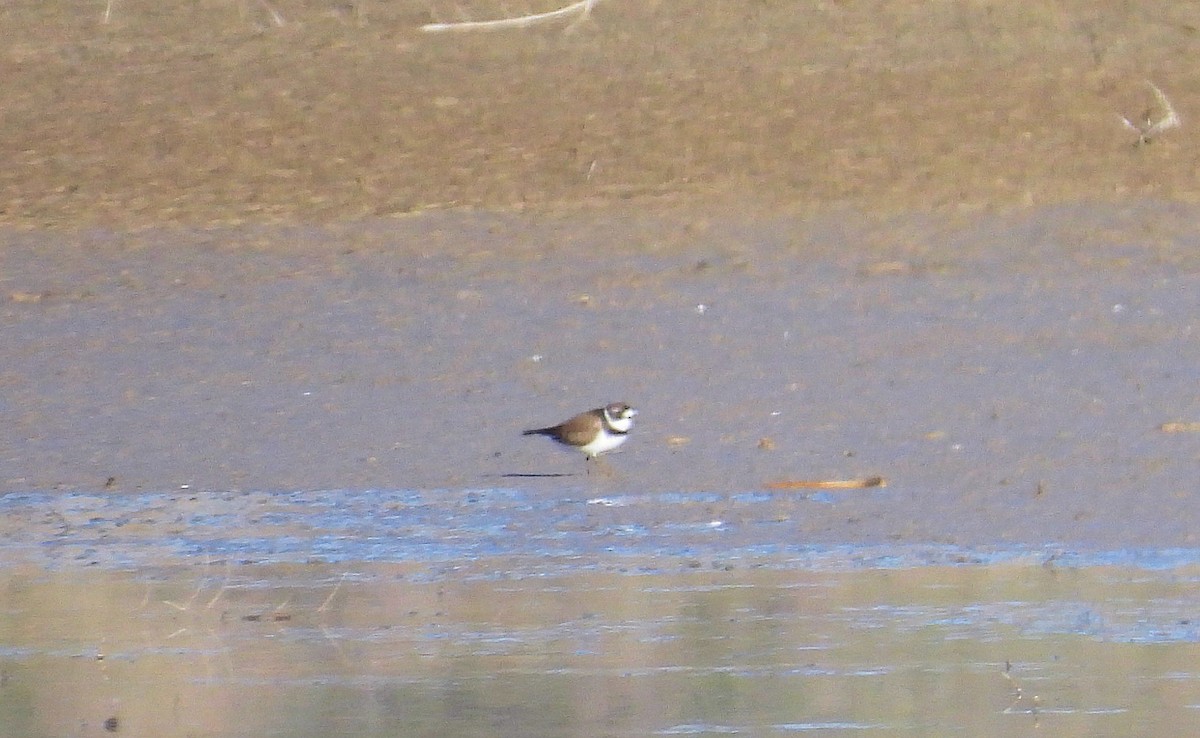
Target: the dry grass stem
pixel 828 483
pixel 1150 126
pixel 276 18
pixel 583 8
pixel 329 599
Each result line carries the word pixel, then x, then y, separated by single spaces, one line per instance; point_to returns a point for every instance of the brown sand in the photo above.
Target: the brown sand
pixel 208 112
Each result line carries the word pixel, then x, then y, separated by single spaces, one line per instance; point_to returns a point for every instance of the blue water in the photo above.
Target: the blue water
pixel 524 533
pixel 502 612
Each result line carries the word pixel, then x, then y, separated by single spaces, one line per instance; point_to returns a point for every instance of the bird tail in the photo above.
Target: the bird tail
pixel 539 432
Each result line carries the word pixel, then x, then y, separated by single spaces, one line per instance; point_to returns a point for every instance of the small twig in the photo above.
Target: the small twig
pixel 329 599
pixel 1148 128
pixel 828 483
pixel 187 605
pixel 275 17
pixel 583 8
pixel 217 596
pixel 224 585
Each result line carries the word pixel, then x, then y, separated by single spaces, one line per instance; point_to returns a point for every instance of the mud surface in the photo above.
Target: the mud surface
pixel 822 241
pixel 1026 378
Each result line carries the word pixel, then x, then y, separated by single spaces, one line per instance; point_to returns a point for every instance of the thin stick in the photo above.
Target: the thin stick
pixel 828 483
pixel 583 7
pixel 224 586
pixel 1149 128
pixel 187 605
pixel 328 599
pixel 276 17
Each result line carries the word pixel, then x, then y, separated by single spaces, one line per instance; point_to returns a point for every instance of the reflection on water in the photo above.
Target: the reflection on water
pixel 498 530
pixel 497 613
pixel 383 649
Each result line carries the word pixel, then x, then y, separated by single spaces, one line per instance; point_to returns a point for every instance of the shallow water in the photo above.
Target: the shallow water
pixel 483 532
pixel 366 650
pixel 436 613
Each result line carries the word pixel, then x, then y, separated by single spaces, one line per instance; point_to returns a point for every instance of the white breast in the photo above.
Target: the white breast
pixel 603 443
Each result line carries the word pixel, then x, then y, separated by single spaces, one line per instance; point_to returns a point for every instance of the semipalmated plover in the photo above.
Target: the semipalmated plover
pixel 593 432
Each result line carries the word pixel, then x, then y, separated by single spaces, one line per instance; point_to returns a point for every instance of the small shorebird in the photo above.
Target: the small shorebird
pixel 593 432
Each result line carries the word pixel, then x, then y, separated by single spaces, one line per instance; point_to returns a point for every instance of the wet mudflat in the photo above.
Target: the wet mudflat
pixel 388 649
pixel 1019 378
pixel 266 481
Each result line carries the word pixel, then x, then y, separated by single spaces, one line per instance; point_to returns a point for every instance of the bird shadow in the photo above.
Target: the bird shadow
pixel 531 475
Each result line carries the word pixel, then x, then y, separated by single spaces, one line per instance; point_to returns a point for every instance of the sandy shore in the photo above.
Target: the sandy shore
pixel 223 112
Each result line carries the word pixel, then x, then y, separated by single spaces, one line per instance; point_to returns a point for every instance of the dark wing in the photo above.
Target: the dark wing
pixel 582 428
